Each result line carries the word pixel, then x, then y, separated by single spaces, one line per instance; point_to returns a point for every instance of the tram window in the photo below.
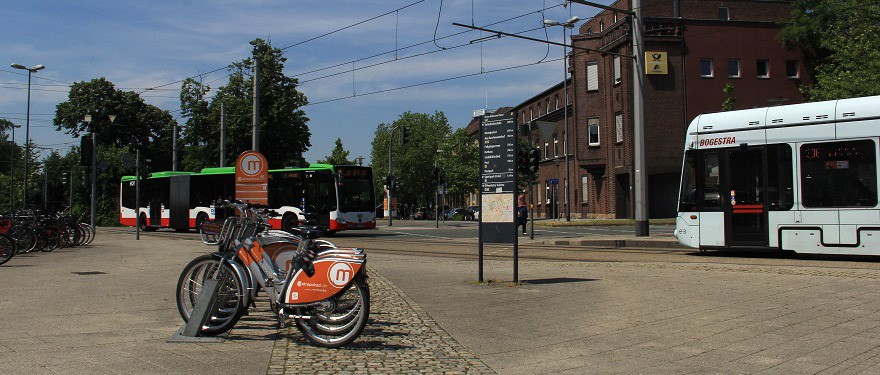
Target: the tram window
pixel 839 174
pixel 780 189
pixel 711 181
pixel 688 200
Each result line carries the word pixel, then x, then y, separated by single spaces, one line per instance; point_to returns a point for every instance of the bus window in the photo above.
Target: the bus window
pixel 711 181
pixel 780 190
pixel 128 194
pixel 688 200
pixel 839 174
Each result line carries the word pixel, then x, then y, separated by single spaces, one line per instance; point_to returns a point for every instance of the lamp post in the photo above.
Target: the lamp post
pixel 567 25
pixel 12 171
pixel 27 129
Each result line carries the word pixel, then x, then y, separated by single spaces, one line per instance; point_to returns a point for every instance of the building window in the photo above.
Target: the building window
pixel 592 76
pixel 546 150
pixel 707 68
pixel 763 69
pixel 792 69
pixel 601 26
pixel 585 196
pixel 548 105
pixel 524 117
pixel 557 101
pixel 531 115
pixel 615 17
pixel 555 146
pixel 839 174
pixel 616 69
pixel 547 191
pixel 733 68
pixel 593 131
pixel 724 14
pixel 618 127
pixel 539 109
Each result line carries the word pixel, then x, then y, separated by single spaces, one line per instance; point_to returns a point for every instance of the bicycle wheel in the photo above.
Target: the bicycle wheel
pixel 230 304
pixel 91 233
pixel 24 238
pixel 41 239
pixel 7 248
pixel 53 238
pixel 341 323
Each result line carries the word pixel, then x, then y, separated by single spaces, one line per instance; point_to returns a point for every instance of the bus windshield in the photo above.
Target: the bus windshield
pixel 355 189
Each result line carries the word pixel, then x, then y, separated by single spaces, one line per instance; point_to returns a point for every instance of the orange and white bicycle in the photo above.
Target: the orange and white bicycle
pixel 323 289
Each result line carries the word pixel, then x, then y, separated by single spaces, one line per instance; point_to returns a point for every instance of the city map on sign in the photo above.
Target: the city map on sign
pixel 497 208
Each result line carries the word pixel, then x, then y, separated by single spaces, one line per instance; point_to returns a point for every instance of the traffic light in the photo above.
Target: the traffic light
pixel 435 176
pixel 388 181
pixel 85 150
pixel 534 159
pixel 522 162
pixel 404 135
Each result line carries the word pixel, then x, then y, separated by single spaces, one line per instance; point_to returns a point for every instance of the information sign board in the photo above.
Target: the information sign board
pixel 498 178
pixel 252 178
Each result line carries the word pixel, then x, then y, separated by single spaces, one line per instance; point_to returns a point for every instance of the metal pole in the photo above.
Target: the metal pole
pixel 222 135
pixel 137 194
pixel 70 182
pixel 255 144
pixel 390 165
pixel 12 174
pixel 437 197
pixel 174 148
pixel 27 144
pixel 94 174
pixel 565 119
pixel 45 187
pixel 531 191
pixel 639 163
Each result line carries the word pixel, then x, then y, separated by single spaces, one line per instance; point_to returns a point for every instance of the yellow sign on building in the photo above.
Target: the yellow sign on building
pixel 655 63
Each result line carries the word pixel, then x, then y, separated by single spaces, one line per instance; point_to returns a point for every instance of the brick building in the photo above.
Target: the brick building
pixel 708 44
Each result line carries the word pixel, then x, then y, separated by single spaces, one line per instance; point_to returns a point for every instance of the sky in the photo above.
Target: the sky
pixel 376 62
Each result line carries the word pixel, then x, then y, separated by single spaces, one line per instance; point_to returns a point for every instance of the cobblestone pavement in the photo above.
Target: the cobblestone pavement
pixel 399 338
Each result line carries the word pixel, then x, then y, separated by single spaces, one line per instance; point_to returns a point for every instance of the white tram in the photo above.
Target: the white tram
pixel 799 177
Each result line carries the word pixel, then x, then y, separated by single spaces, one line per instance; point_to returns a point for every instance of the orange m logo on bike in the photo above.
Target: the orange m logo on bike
pixel 339 274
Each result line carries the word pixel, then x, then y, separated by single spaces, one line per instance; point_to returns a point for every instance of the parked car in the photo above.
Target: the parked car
pixel 458 214
pixel 380 211
pixel 423 213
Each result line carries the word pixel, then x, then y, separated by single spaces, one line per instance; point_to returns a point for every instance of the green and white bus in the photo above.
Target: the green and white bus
pixel 340 196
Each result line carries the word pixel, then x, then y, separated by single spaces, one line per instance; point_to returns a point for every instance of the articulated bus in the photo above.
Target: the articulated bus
pixel 340 196
pixel 799 177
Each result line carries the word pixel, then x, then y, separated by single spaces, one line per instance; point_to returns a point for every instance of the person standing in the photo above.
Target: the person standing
pixel 522 213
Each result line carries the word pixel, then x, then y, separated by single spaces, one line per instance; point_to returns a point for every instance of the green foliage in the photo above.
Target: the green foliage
pixel 338 156
pixel 284 135
pixel 728 104
pixel 459 158
pixel 414 161
pixel 842 41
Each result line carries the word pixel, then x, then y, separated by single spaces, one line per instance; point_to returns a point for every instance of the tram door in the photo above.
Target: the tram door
pixel 746 205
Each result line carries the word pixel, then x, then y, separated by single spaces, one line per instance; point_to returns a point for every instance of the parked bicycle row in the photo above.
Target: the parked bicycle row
pixel 26 231
pixel 320 288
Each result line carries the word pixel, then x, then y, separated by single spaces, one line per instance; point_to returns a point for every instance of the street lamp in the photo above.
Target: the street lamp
pixel 567 25
pixel 27 129
pixel 12 171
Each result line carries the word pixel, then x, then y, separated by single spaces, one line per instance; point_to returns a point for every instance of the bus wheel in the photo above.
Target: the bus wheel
pixel 142 222
pixel 288 221
pixel 200 218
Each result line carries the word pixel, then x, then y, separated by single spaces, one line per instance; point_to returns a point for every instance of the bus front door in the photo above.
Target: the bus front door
pixel 746 209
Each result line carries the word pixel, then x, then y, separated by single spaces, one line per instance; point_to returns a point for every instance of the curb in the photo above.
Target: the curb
pixel 618 244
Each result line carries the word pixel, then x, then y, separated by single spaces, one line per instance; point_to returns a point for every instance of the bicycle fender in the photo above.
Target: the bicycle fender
pixel 247 280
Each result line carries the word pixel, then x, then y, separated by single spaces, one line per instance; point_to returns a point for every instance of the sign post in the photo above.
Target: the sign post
pixel 252 178
pixel 498 150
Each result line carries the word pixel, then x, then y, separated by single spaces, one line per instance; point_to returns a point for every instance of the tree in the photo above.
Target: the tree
pixel 284 135
pixel 137 125
pixel 841 39
pixel 459 157
pixel 414 161
pixel 338 156
pixel 729 103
